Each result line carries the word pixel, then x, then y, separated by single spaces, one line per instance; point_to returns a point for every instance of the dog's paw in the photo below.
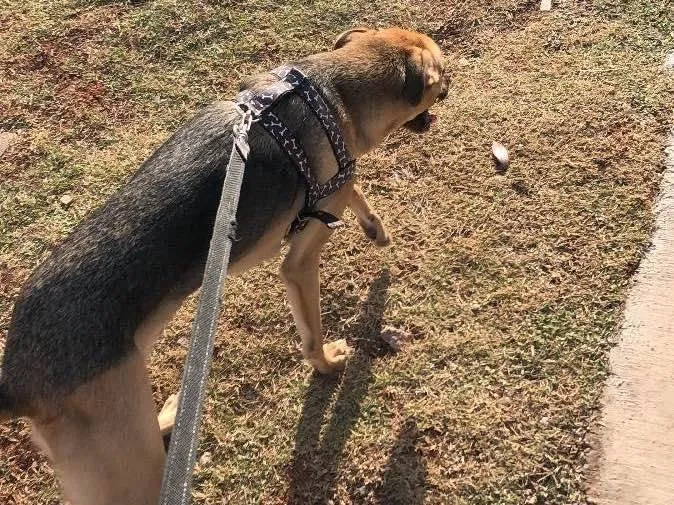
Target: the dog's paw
pixel 167 414
pixel 336 354
pixel 376 231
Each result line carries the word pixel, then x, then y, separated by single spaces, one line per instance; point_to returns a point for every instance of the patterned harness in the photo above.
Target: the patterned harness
pixel 291 79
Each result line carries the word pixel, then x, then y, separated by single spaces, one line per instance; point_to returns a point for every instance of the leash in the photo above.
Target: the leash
pixel 181 457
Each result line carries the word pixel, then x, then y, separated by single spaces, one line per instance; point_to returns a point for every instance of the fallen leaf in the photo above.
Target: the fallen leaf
pixel 395 337
pixel 500 156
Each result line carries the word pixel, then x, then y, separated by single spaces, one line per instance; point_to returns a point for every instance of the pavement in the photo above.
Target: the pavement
pixel 635 450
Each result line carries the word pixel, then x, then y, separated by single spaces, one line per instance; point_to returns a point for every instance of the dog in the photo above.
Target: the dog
pixel 86 319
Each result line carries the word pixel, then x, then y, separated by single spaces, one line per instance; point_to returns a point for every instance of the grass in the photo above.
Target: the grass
pixel 511 287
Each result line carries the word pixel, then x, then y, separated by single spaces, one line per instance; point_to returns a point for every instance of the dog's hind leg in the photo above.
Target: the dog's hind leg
pixel 104 440
pixel 147 334
pixel 152 329
pixel 369 220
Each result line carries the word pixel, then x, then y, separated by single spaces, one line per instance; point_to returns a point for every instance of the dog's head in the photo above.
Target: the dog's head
pixel 418 66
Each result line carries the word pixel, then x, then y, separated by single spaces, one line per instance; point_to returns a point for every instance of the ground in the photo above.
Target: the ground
pixel 510 286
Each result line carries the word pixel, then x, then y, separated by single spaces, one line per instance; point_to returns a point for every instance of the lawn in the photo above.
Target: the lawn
pixel 510 287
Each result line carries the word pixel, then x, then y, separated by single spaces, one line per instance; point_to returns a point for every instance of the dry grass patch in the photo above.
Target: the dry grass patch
pixel 510 287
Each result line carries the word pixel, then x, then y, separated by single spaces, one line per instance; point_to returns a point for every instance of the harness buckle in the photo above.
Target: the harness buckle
pixel 329 220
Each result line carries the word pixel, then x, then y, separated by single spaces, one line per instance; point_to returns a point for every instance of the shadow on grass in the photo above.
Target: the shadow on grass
pixel 313 468
pixel 405 475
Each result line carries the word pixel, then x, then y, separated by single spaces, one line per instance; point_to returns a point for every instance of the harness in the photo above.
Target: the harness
pixel 258 104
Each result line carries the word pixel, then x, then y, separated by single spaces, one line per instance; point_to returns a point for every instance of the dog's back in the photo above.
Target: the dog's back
pixel 77 314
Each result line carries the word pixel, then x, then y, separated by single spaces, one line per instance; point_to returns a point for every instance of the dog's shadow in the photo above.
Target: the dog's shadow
pixel 312 471
pixel 405 475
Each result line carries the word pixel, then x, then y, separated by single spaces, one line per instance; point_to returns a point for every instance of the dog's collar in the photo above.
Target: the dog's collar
pixel 291 79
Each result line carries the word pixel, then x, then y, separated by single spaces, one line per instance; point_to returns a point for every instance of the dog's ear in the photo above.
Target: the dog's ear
pixel 421 72
pixel 347 36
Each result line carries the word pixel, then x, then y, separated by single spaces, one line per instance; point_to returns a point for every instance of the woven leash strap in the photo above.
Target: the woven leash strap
pixel 177 482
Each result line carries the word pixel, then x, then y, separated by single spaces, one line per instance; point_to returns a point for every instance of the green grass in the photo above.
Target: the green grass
pixel 511 287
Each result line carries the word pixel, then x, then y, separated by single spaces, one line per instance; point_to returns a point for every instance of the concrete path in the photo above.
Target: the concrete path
pixel 636 444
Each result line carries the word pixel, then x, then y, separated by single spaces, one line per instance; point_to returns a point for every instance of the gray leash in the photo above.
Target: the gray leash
pixel 181 457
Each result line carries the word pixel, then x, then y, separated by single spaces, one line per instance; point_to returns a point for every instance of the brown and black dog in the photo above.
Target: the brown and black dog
pixel 84 323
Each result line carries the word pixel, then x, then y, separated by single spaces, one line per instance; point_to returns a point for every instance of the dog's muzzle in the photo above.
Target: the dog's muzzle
pixel 421 123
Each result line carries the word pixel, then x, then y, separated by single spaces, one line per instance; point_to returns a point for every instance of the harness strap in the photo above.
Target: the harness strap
pixel 290 80
pixel 275 127
pixel 181 456
pixel 314 99
pixel 329 220
pixel 259 102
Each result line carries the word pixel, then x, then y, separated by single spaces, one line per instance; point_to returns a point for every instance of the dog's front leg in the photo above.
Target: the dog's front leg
pixel 300 273
pixel 369 220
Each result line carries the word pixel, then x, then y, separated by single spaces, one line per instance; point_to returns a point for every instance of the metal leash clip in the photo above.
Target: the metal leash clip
pixel 241 130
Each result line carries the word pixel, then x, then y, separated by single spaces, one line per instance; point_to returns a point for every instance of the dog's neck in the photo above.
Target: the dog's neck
pixel 367 113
